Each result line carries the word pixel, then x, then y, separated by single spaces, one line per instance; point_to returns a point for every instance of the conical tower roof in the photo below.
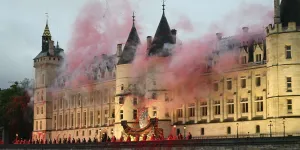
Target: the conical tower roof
pixel 162 36
pixel 130 47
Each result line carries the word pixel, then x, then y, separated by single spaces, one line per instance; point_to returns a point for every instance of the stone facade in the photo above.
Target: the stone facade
pixel 262 91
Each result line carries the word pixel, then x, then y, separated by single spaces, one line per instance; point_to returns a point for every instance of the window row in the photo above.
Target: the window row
pixel 82 119
pixel 243 83
pixel 39 110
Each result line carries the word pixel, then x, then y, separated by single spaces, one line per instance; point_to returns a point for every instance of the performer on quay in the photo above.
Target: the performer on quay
pixel 145 137
pixel 121 138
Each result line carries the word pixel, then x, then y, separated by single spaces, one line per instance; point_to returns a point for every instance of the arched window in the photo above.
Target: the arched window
pixel 42 110
pixel 122 87
pixel 228 130
pixel 257 129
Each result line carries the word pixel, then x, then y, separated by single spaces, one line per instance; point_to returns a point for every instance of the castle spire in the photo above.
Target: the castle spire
pixel 133 20
pixel 47 30
pixel 164 7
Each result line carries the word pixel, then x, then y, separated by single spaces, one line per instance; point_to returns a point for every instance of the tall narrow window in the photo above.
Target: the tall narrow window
pixel 43 79
pixel 203 109
pixel 134 114
pixel 216 86
pixel 60 121
pixel 192 110
pixel 217 107
pixel 121 114
pixel 78 120
pixel 228 130
pixel 72 120
pixel 91 118
pixel 179 113
pixel 257 129
pixel 66 120
pixel 289 84
pixel 259 104
pixel 98 117
pixel 258 57
pixel 37 110
pixel 289 106
pixel 84 119
pixel 230 105
pixel 229 84
pixel 36 125
pixel 288 51
pixel 122 87
pixel 257 81
pixel 244 103
pixel 202 131
pixel 243 82
pixel 55 121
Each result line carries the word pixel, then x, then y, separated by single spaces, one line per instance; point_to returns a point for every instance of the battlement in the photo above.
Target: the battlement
pixel 48 59
pixel 278 28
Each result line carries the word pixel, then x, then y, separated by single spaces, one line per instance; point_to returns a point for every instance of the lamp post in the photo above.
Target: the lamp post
pixel 283 127
pixel 270 125
pixel 237 130
pixel 184 131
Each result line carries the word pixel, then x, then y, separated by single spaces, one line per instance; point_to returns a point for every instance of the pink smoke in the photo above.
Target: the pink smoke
pixel 98 28
pixel 185 72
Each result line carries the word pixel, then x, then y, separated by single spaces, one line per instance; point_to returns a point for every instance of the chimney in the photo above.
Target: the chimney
pixel 51 48
pixel 149 41
pixel 119 50
pixel 174 32
pixel 245 29
pixel 277 11
pixel 219 36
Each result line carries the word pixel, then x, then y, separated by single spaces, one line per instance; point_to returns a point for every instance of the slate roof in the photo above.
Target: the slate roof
pixel 290 12
pixel 130 47
pixel 162 36
pixel 57 52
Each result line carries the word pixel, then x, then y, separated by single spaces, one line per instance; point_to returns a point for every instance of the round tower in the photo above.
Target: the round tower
pixel 126 101
pixel 283 66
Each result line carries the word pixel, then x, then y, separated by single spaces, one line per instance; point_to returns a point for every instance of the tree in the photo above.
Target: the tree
pixel 15 109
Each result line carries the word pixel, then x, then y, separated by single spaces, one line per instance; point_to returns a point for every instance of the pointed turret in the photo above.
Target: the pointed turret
pixel 48 48
pixel 162 36
pixel 130 47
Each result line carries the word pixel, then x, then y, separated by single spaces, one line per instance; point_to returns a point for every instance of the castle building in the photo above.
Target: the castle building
pixel 260 97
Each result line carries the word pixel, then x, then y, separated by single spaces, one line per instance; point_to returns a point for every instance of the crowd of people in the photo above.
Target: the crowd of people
pixel 105 138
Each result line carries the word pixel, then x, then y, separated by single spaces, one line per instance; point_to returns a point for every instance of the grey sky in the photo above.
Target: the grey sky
pixel 22 23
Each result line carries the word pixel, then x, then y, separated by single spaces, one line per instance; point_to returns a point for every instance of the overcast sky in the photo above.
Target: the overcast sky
pixel 22 23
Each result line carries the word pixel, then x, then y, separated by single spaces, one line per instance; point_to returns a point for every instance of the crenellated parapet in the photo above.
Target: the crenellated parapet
pixel 279 28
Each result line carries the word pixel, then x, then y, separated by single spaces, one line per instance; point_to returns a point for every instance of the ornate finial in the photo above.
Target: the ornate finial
pixel 164 6
pixel 133 16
